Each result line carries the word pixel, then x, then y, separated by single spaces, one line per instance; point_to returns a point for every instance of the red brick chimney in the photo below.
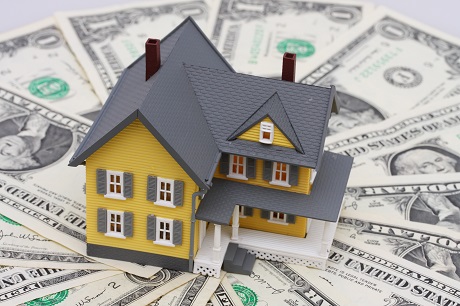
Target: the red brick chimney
pixel 152 57
pixel 288 67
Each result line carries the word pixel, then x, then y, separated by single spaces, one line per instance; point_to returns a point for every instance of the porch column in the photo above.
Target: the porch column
pixel 328 234
pixel 216 249
pixel 235 222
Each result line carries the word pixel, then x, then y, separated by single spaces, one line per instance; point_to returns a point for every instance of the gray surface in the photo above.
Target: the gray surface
pixel 323 203
pixel 143 258
pixel 164 104
pixel 229 99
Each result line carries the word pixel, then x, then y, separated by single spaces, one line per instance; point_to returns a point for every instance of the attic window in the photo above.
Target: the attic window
pixel 267 130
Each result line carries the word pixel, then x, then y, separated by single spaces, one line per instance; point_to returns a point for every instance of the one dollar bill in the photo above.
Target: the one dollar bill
pixel 254 35
pixel 36 59
pixel 108 40
pixel 368 276
pixel 387 65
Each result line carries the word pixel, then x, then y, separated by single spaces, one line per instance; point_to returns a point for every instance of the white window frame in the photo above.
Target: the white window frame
pixel 115 195
pixel 115 234
pixel 274 181
pixel 237 175
pixel 164 202
pixel 312 176
pixel 276 219
pixel 158 231
pixel 267 127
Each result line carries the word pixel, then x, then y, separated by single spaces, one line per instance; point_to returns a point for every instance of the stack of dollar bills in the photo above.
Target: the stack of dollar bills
pixel 397 241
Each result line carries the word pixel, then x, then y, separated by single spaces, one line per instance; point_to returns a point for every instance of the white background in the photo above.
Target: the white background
pixel 441 14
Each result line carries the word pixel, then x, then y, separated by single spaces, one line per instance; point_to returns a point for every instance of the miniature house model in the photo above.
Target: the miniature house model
pixel 194 167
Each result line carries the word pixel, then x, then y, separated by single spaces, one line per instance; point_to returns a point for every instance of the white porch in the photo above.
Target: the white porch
pixel 311 251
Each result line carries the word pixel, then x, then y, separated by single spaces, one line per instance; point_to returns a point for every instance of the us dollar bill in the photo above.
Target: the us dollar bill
pixel 108 40
pixel 389 64
pixel 275 283
pixel 36 59
pixel 225 295
pixel 19 285
pixel 121 289
pixel 253 35
pixel 196 292
pixel 429 246
pixel 367 276
pixel 425 141
pixel 19 246
pixel 37 187
pixel 428 199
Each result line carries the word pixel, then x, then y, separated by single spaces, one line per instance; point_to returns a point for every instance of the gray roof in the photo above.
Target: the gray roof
pixel 195 104
pixel 165 104
pixel 229 100
pixel 323 203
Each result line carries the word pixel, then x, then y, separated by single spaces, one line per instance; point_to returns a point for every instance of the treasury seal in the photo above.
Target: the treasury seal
pixel 301 48
pixel 8 220
pixel 403 77
pixel 49 300
pixel 49 88
pixel 247 296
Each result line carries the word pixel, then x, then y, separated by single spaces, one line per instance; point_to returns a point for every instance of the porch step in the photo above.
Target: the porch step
pixel 238 260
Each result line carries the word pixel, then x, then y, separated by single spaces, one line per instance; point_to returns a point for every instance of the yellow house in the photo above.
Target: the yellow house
pixel 192 166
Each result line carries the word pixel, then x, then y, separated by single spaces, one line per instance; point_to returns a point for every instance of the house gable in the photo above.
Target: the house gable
pixel 136 151
pixel 279 139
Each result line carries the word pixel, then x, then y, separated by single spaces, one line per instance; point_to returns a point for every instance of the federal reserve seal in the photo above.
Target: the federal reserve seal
pixel 49 88
pixel 8 220
pixel 403 77
pixel 49 300
pixel 247 296
pixel 301 48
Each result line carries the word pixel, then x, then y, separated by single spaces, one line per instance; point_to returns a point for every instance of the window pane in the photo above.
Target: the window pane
pixel 168 186
pixel 235 159
pixel 234 168
pixel 240 170
pixel 112 188
pixel 162 235
pixel 112 227
pixel 118 189
pixel 118 228
pixel 283 166
pixel 168 196
pixel 266 135
pixel 162 225
pixel 162 186
pixel 118 179
pixel 284 178
pixel 168 236
pixel 281 216
pixel 112 178
pixel 167 226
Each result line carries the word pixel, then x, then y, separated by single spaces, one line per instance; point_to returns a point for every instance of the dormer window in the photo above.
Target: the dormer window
pixel 267 130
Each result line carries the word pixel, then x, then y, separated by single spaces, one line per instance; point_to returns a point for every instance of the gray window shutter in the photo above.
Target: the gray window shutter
pixel 102 220
pixel 224 163
pixel 268 170
pixel 293 175
pixel 151 227
pixel 248 211
pixel 127 185
pixel 265 214
pixel 177 232
pixel 250 167
pixel 290 219
pixel 178 193
pixel 128 224
pixel 151 188
pixel 101 179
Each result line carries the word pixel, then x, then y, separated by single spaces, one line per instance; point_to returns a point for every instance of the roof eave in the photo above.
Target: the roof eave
pixel 332 98
pixel 77 160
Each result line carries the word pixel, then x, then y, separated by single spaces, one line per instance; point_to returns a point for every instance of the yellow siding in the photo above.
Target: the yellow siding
pixel 135 150
pixel 303 179
pixel 278 137
pixel 257 223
